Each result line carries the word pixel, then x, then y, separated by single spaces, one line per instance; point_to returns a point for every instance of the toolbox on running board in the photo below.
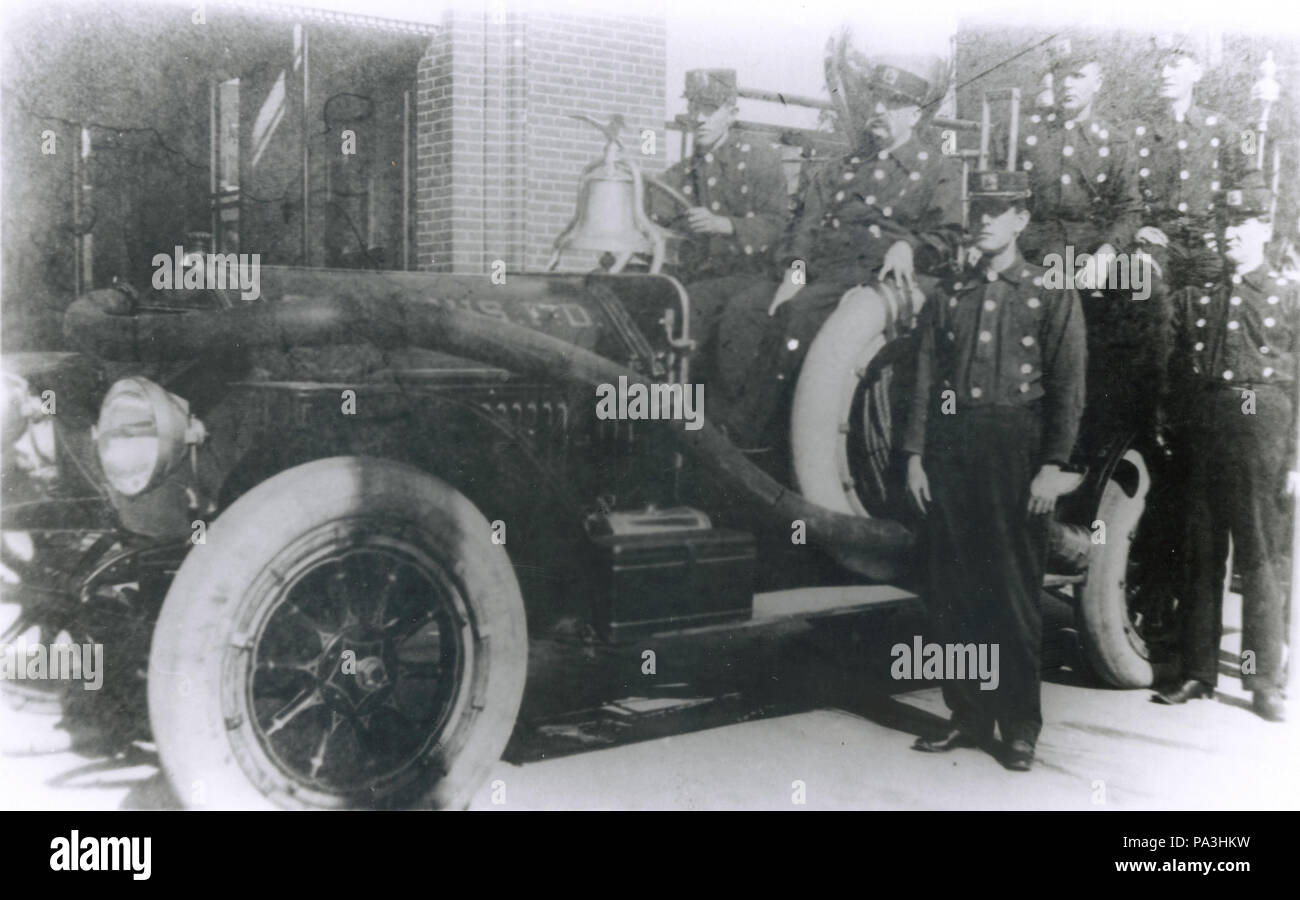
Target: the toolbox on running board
pixel 663 570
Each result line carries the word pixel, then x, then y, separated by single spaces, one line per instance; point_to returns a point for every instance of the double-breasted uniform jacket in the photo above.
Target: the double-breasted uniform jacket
pixel 1237 332
pixel 1184 167
pixel 742 179
pixel 1002 340
pixel 856 207
pixel 1084 184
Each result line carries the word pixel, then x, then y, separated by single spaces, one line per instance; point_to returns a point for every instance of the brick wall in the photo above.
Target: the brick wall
pixel 497 156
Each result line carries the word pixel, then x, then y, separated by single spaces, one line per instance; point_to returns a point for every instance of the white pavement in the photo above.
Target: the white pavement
pixel 1099 750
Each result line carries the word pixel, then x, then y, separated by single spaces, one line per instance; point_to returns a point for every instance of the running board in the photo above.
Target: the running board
pixel 812 603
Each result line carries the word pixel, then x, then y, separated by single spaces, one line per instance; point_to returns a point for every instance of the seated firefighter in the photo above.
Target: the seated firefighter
pixel 890 206
pixel 740 204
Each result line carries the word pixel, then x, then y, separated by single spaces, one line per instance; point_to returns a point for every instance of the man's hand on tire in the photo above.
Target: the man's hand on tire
pixel 898 262
pixel 1048 484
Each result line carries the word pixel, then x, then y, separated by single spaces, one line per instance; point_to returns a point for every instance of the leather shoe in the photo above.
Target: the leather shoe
pixel 1020 756
pixel 954 739
pixel 1191 689
pixel 1269 705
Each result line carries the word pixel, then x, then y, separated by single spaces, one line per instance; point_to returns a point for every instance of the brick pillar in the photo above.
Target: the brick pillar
pixel 497 158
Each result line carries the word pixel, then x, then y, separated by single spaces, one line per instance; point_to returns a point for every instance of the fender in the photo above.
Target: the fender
pixel 1089 496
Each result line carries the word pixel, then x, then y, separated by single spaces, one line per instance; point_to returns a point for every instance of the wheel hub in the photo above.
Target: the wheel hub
pixel 354 672
pixel 371 674
pixel 356 665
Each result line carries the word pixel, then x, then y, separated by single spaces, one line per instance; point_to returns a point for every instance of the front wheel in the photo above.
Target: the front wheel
pixel 348 636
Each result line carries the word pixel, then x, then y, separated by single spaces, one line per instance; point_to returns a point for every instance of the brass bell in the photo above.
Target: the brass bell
pixel 611 214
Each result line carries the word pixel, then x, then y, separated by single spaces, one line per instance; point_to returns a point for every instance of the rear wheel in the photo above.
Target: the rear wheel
pixel 1112 611
pixel 348 636
pixel 843 420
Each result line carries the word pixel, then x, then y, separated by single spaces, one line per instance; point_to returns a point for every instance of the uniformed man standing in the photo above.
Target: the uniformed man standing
pixel 1085 201
pixel 890 207
pixel 999 394
pixel 1186 157
pixel 1233 374
pixel 742 205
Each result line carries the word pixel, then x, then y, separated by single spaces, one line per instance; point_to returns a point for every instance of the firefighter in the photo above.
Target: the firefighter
pixel 1086 201
pixel 1233 376
pixel 1187 156
pixel 996 409
pixel 739 188
pixel 889 207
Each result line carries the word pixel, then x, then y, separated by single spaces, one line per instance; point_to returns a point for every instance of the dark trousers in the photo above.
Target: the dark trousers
pixel 709 299
pixel 1159 546
pixel 1127 346
pixel 759 355
pixel 1126 356
pixel 985 556
pixel 1235 488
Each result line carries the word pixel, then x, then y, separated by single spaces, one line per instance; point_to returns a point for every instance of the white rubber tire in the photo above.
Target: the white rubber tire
pixel 851 337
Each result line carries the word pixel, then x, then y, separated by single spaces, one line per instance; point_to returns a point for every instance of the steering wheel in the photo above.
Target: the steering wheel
pixel 672 193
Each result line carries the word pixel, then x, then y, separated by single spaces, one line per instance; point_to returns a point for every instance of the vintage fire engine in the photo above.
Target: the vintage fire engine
pixel 326 524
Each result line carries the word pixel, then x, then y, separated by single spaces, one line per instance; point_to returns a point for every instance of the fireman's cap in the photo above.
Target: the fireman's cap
pixel 715 87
